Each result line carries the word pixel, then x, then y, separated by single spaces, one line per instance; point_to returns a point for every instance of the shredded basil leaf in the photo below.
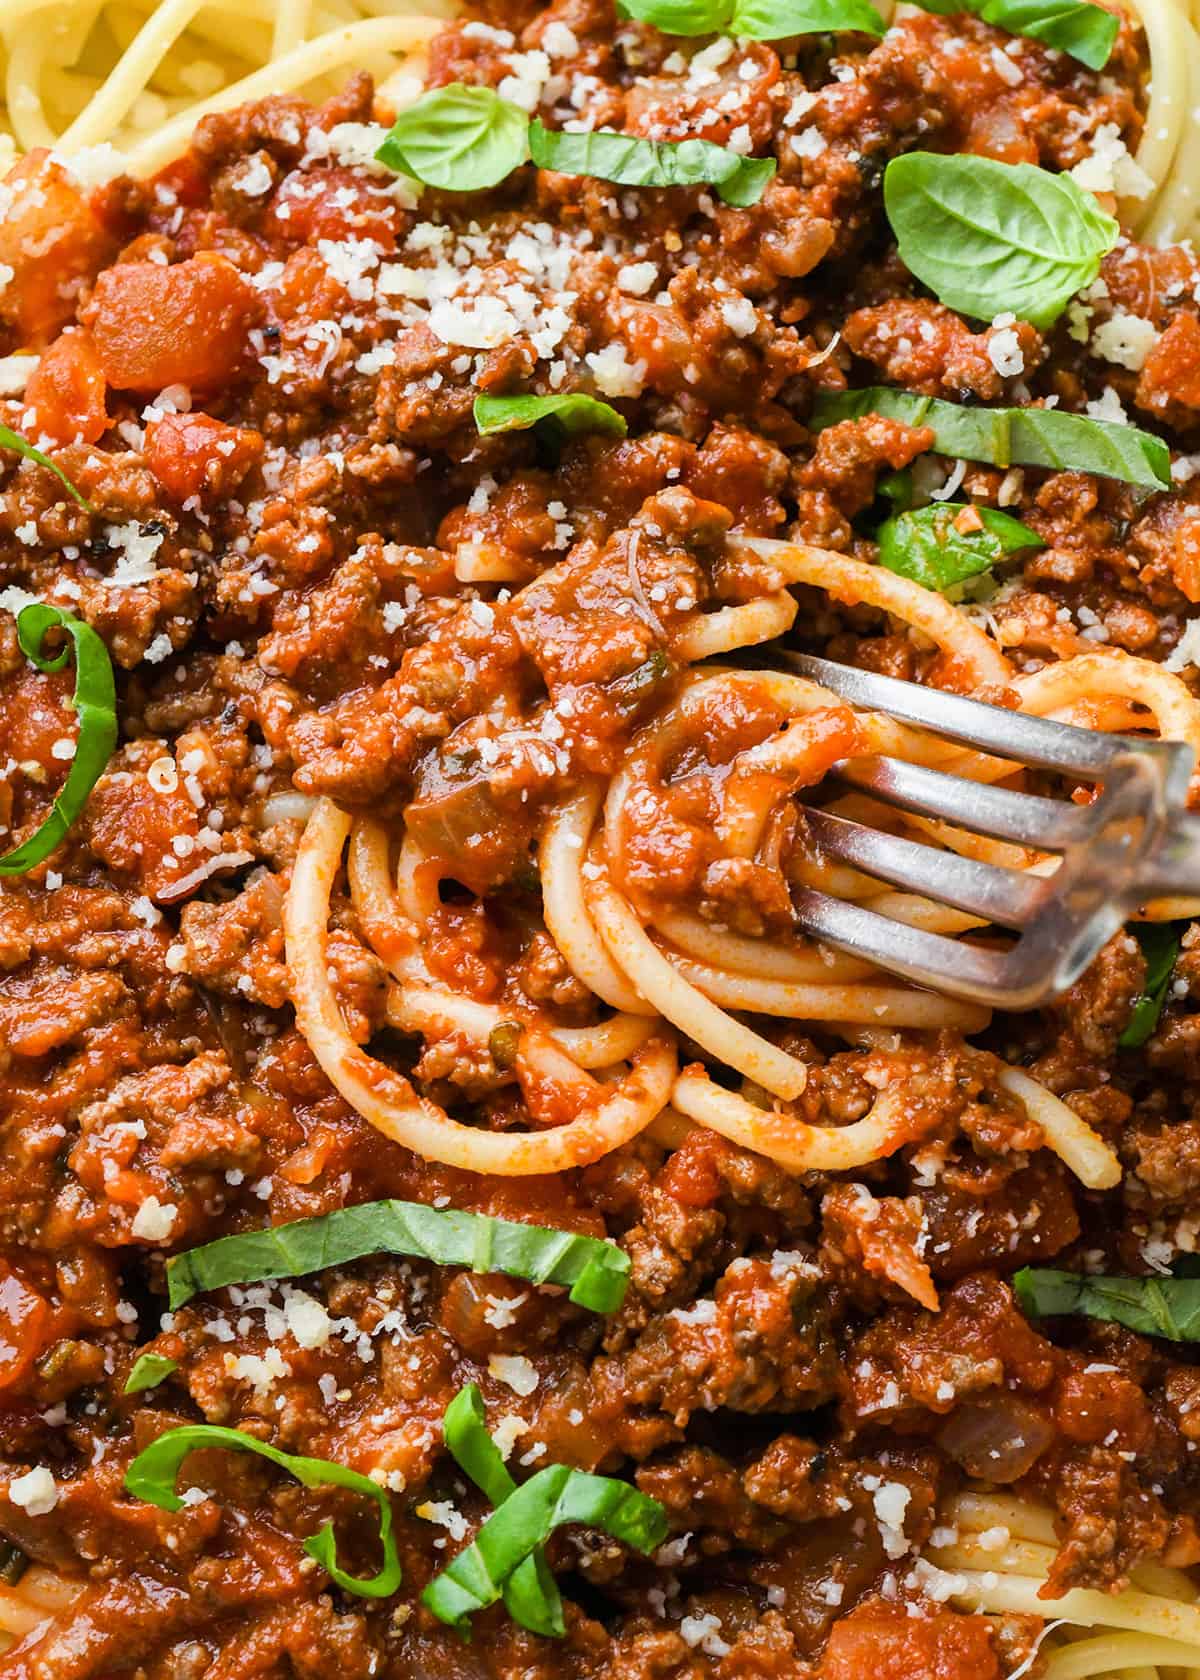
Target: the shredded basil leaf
pixel 531 1594
pixel 566 416
pixel 464 1429
pixel 631 161
pixel 1006 437
pixel 595 1271
pixel 987 237
pixel 755 20
pixel 1160 943
pixel 927 546
pixel 95 703
pixel 458 138
pixel 526 1520
pixel 14 441
pixel 154 1472
pixel 1158 1306
pixel 1076 27
pixel 148 1371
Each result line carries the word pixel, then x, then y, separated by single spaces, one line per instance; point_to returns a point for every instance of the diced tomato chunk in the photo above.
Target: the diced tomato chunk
pixel 1171 373
pixel 133 826
pixel 24 1321
pixel 183 324
pixel 188 453
pixel 52 241
pixel 185 181
pixel 689 1174
pixel 35 713
pixel 882 1642
pixel 66 390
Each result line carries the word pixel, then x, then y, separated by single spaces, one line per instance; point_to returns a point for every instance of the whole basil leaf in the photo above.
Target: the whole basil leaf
pixel 1160 943
pixel 1008 437
pixel 926 545
pixel 988 237
pixel 1159 1306
pixel 776 20
pixel 680 17
pixel 458 138
pixel 569 414
pixel 630 161
pixel 1077 27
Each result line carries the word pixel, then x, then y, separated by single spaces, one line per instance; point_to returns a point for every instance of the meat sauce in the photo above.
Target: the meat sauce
pixel 284 484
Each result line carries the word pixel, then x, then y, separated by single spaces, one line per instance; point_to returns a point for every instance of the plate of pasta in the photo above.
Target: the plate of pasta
pixel 452 1220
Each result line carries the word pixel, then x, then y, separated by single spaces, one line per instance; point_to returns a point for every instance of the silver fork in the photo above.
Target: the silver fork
pixel 1133 843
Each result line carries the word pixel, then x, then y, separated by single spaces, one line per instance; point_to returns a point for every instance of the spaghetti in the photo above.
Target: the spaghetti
pixel 139 78
pixel 998 1562
pixel 643 959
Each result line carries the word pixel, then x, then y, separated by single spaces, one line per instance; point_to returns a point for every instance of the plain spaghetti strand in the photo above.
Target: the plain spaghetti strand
pixel 1176 213
pixel 296 42
pixel 291 26
pixel 104 112
pixel 997 1558
pixel 338 49
pixel 23 81
pixel 1072 1139
pixel 1172 97
pixel 1120 1655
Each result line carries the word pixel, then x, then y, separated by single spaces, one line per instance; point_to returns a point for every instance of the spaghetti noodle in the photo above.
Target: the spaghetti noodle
pixel 139 79
pixel 998 1563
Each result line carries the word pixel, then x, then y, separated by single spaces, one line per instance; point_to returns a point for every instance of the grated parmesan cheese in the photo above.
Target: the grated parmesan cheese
pixel 36 1492
pixel 1109 168
pixel 615 374
pixel 513 1369
pixel 1125 339
pixel 154 1220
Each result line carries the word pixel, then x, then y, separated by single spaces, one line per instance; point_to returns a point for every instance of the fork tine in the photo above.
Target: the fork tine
pixel 1044 962
pixel 998 895
pixel 929 959
pixel 1096 885
pixel 1028 819
pixel 973 723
